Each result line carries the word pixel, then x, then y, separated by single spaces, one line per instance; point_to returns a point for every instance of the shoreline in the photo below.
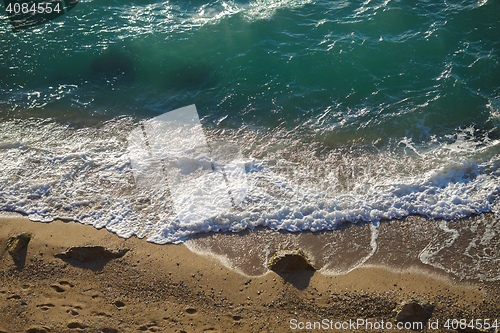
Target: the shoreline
pixel 168 288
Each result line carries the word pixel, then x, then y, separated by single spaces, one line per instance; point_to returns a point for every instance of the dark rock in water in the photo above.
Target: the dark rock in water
pixel 89 253
pixel 289 260
pixel 414 311
pixel 16 245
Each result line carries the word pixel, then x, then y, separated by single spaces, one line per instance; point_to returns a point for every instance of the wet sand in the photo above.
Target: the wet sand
pixel 169 288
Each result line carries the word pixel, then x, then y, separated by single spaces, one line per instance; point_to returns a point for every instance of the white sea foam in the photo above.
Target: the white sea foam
pixel 52 171
pixel 214 11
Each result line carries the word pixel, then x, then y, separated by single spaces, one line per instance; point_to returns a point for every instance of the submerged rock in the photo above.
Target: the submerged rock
pixel 414 311
pixel 89 253
pixel 16 244
pixel 289 260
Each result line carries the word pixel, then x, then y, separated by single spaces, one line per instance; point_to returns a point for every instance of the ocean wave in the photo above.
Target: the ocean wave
pixel 54 171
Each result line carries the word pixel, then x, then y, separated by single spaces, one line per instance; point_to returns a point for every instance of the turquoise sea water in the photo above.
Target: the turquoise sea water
pixel 344 111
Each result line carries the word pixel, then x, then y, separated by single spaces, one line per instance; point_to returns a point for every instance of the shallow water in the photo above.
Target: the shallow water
pixel 464 250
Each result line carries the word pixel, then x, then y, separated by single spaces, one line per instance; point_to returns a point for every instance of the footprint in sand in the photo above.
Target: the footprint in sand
pixel 73 312
pixel 14 297
pixel 45 307
pixel 109 330
pixel 59 287
pixel 76 324
pixel 66 283
pixel 149 327
pixel 191 311
pixel 101 314
pixel 37 329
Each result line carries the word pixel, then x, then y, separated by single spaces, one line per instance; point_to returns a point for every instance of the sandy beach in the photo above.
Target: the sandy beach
pixel 168 288
pixel 157 158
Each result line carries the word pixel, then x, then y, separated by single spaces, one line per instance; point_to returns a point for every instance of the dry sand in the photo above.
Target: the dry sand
pixel 168 288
